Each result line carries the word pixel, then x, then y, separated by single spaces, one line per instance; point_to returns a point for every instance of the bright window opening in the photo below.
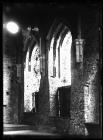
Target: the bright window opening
pixel 62 78
pixel 31 79
pixel 65 60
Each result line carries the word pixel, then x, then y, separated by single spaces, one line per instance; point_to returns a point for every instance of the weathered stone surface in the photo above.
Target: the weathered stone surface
pixel 10 90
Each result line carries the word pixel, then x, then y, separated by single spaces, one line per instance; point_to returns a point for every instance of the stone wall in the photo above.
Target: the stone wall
pixel 10 91
pixel 92 79
pixel 85 74
pixel 11 85
pixel 77 96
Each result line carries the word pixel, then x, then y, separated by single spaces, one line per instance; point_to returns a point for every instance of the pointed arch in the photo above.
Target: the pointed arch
pixel 59 64
pixel 32 73
pixel 52 29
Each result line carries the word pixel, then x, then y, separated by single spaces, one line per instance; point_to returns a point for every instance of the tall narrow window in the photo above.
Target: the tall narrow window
pixel 58 58
pixel 65 60
pixel 59 62
pixel 54 62
pixel 50 68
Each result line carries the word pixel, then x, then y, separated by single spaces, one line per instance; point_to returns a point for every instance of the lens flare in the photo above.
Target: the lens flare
pixel 12 27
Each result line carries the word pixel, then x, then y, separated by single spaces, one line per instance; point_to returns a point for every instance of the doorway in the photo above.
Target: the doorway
pixel 63 102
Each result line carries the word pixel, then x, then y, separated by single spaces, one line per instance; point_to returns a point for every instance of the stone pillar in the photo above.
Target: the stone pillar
pixel 44 87
pixel 77 96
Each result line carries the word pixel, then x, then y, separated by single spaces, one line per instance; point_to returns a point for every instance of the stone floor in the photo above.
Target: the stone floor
pixel 29 131
pixel 12 130
pixel 26 130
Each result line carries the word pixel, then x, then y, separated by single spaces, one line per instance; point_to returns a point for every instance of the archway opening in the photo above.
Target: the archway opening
pixel 59 66
pixel 32 79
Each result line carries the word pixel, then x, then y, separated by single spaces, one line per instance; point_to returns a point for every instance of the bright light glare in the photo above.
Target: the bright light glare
pixel 12 27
